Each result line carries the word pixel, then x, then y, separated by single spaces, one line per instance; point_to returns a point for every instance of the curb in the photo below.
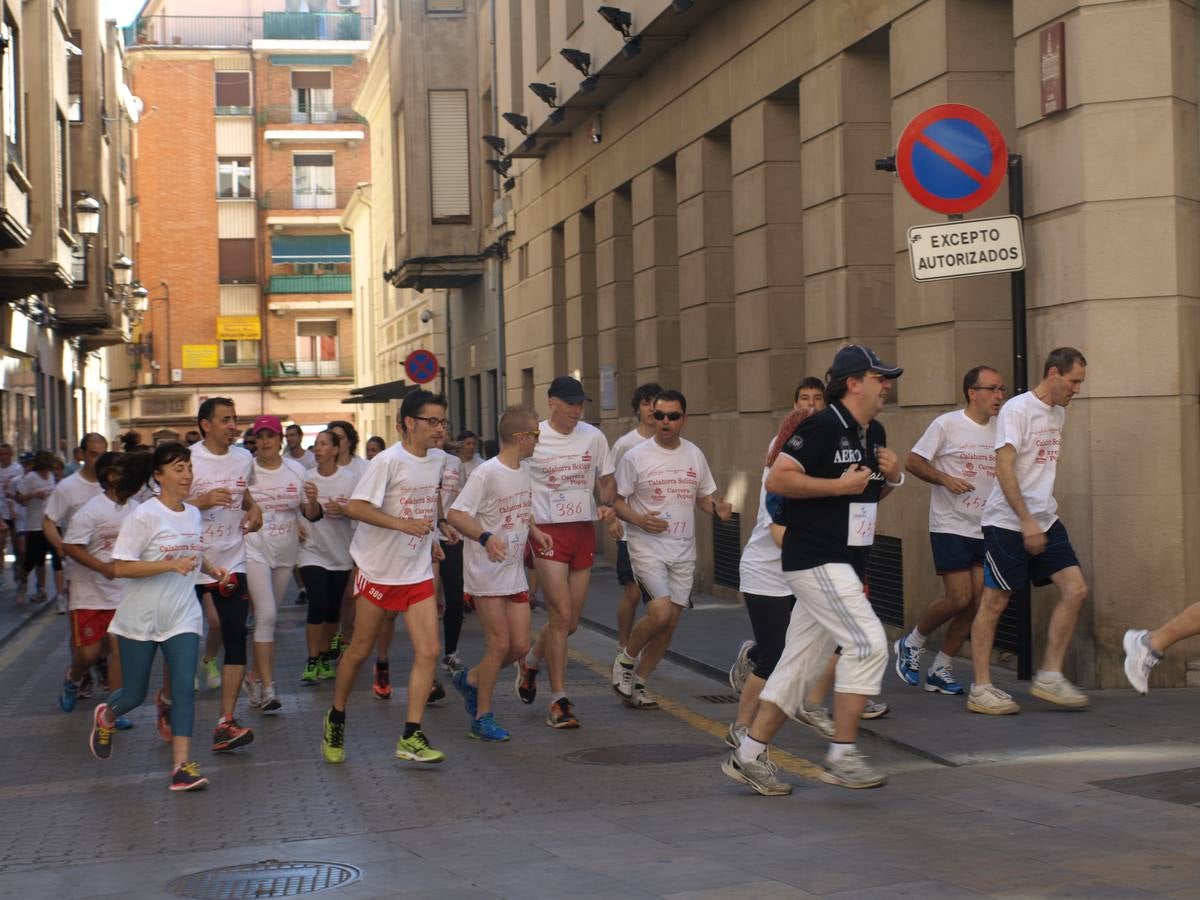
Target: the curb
pixel 34 614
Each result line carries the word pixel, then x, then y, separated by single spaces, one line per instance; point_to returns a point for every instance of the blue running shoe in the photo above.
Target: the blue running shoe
pixel 470 694
pixel 122 723
pixel 908 662
pixel 70 693
pixel 941 681
pixel 485 728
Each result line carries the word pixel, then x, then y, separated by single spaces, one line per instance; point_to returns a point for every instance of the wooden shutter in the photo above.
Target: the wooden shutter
pixel 449 156
pixel 75 73
pixel 237 260
pixel 233 88
pixel 313 81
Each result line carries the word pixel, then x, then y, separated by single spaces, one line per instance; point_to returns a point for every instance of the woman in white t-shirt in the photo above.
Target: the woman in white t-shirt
pixel 158 553
pixel 348 437
pixel 271 552
pixel 32 490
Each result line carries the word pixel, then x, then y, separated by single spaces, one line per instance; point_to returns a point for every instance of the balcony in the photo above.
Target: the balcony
pixel 317 114
pixel 309 284
pixel 295 369
pixel 234 31
pixel 320 198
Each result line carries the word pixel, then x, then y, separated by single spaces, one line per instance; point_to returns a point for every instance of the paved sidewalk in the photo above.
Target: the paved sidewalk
pixel 14 618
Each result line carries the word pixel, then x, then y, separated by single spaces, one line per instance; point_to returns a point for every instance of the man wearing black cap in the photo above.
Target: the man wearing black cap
pixel 567 469
pixel 834 470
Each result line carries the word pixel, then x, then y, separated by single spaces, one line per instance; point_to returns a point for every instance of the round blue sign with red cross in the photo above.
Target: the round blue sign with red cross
pixel 421 366
pixel 951 158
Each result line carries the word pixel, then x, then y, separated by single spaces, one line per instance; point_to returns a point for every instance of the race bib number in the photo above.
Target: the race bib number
pixel 570 506
pixel 679 525
pixel 861 531
pixel 516 545
pixel 411 544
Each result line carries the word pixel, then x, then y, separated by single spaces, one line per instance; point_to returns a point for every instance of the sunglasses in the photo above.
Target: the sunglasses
pixel 659 415
pixel 537 432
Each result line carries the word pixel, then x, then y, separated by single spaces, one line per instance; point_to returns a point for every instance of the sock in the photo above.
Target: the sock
pixel 1043 675
pixel 626 660
pixel 942 661
pixel 531 661
pixel 915 639
pixel 750 749
pixel 837 750
pixel 411 728
pixel 337 716
pixel 554 698
pixel 381 664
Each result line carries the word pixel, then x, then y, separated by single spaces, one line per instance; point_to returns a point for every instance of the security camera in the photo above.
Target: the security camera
pixel 597 130
pixel 426 316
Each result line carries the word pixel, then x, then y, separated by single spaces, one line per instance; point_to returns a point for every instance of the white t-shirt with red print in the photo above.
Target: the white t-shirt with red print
pixel 564 469
pixel 500 499
pixel 278 493
pixel 1034 430
pixel 957 445
pixel 653 479
pixel 95 527
pixel 224 541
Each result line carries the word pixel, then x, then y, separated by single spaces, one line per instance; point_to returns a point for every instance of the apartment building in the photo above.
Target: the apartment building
pixel 246 157
pixel 695 201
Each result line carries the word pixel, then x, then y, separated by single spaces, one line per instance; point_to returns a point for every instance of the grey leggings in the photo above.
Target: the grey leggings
pixel 181 654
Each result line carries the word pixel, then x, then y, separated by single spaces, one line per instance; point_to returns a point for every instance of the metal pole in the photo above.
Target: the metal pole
pixel 1023 598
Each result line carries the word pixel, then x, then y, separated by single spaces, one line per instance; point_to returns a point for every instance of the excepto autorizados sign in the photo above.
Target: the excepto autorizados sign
pixel 969 247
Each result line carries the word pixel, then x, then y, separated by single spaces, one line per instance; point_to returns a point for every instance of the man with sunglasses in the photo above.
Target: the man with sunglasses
pixel 659 484
pixel 956 455
pixel 570 492
pixel 833 470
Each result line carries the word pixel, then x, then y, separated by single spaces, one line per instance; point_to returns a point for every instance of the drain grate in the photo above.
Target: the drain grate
pixel 719 698
pixel 268 878
pixel 644 754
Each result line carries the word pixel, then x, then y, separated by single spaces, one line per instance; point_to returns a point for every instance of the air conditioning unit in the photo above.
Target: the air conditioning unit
pixel 348 4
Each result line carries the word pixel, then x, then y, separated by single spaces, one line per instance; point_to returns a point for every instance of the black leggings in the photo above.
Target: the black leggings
pixel 232 610
pixel 769 618
pixel 451 571
pixel 325 588
pixel 36 548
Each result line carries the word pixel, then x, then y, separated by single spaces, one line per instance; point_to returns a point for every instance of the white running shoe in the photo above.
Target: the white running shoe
pixel 991 701
pixel 451 663
pixel 270 700
pixel 60 604
pixel 1060 692
pixel 759 774
pixel 623 678
pixel 817 718
pixel 1139 659
pixel 254 692
pixel 640 699
pixel 733 737
pixel 742 666
pixel 852 771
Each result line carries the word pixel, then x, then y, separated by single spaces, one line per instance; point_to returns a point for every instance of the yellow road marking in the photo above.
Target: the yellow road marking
pixel 796 765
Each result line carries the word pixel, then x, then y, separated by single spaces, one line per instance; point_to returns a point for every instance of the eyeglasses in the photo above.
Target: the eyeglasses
pixel 659 415
pixel 537 432
pixel 989 387
pixel 431 421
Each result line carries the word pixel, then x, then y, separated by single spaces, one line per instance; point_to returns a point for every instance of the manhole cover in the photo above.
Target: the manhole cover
pixel 269 878
pixel 643 754
pixel 720 698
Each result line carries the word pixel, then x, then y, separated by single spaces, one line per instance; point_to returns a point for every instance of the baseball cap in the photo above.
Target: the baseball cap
pixel 267 423
pixel 568 389
pixel 854 359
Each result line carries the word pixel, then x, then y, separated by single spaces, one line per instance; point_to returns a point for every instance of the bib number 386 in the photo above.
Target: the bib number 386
pixel 569 506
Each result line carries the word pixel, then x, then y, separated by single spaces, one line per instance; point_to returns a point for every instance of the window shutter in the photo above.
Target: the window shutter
pixel 237 260
pixel 313 81
pixel 233 88
pixel 321 328
pixel 449 156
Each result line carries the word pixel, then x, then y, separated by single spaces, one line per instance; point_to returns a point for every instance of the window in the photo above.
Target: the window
pixel 75 79
pixel 239 353
pixel 574 15
pixel 317 347
pixel 402 166
pixel 12 87
pixel 541 23
pixel 444 6
pixel 449 156
pixel 62 173
pixel 312 181
pixel 312 97
pixel 237 260
pixel 235 177
pixel 233 93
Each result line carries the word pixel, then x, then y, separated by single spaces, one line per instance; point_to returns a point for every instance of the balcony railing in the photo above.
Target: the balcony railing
pixel 234 31
pixel 332 198
pixel 309 284
pixel 310 368
pixel 318 114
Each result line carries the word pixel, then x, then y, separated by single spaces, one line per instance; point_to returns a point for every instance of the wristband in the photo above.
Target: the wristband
pixel 440 521
pixel 895 484
pixel 483 538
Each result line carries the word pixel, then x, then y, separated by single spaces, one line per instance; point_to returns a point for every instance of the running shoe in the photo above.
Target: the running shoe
pixel 254 691
pixel 337 644
pixel 437 692
pixel 417 749
pixel 733 737
pixel 742 666
pixel 100 740
pixel 85 686
pixel 212 674
pixel 1139 659
pixel 122 723
pixel 270 700
pixel 70 693
pixel 382 686
pixel 941 681
pixel 327 664
pixel 526 686
pixel 60 604
pixel 311 672
pixel 187 777
pixel 470 696
pixel 852 771
pixel 759 774
pixel 102 672
pixel 623 677
pixel 229 735
pixel 39 596
pixel 562 714
pixel 301 597
pixel 875 709
pixel 451 663
pixel 639 699
pixel 991 701
pixel 333 741
pixel 815 717
pixel 1060 692
pixel 485 728
pixel 908 662
pixel 162 717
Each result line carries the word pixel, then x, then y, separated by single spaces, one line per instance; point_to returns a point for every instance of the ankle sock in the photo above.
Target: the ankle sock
pixel 942 661
pixel 837 750
pixel 411 728
pixel 915 639
pixel 750 749
pixel 625 660
pixel 1043 675
pixel 337 716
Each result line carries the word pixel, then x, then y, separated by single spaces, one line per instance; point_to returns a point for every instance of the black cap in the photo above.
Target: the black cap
pixel 568 389
pixel 855 359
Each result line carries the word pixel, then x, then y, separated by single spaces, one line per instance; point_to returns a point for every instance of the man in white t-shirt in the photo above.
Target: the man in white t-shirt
pixel 493 514
pixel 221 478
pixel 956 455
pixel 397 506
pixel 660 483
pixel 10 471
pixel 292 436
pixel 643 413
pixel 70 495
pixel 568 478
pixel 1025 540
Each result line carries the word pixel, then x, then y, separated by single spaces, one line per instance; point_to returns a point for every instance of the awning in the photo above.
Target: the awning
pixel 310 248
pixel 381 393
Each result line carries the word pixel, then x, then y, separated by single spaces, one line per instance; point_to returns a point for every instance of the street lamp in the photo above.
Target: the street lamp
pixel 87 216
pixel 141 299
pixel 122 268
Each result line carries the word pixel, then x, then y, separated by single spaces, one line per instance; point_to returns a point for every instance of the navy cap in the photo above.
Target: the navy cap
pixel 568 389
pixel 855 359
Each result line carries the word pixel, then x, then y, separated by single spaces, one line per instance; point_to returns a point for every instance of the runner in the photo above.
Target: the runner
pixel 375 445
pixel 659 483
pixel 294 435
pixel 835 469
pixel 467 444
pixel 157 553
pixel 325 562
pixel 223 476
pixel 10 471
pixel 396 506
pixel 957 456
pixel 492 513
pixel 346 457
pixel 643 414
pixel 1145 649
pixel 32 490
pixel 271 552
pixel 1024 538
pixel 567 470
pixel 68 497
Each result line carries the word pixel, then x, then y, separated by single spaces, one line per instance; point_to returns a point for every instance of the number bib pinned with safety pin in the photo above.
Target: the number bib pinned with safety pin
pixel 861 524
pixel 570 506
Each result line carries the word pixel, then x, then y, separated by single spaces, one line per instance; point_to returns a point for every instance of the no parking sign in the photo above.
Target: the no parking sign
pixel 421 366
pixel 951 158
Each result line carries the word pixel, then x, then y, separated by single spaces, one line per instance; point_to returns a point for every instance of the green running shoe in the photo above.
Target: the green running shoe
pixel 327 666
pixel 212 674
pixel 310 673
pixel 417 749
pixel 333 742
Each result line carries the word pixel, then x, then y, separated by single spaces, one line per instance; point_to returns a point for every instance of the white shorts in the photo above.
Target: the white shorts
pixel 657 577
